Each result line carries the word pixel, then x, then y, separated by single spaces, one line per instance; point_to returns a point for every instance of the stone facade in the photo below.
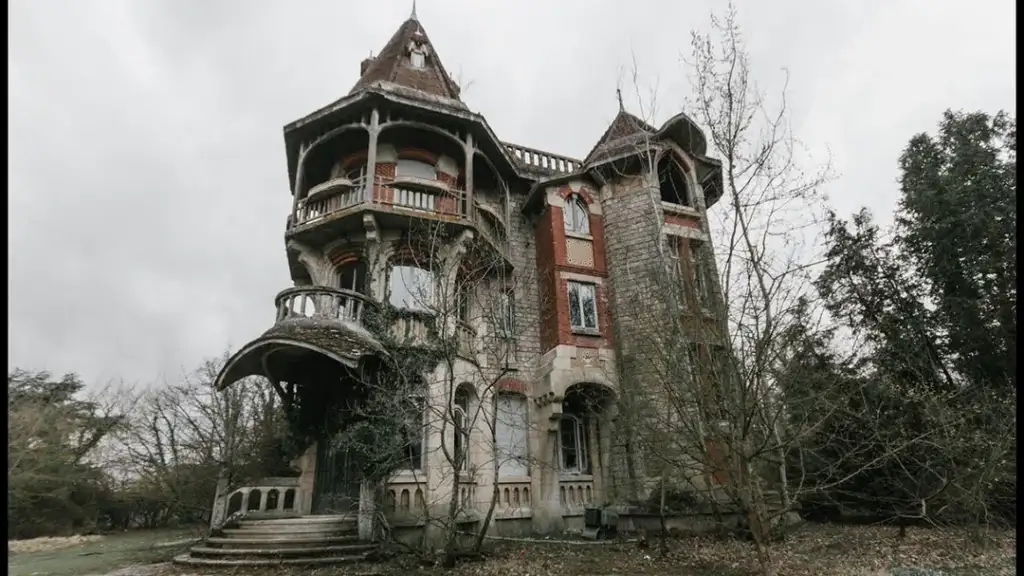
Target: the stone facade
pixel 573 242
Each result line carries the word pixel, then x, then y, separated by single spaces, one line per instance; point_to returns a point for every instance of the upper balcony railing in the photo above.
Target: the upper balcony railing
pixel 321 303
pixel 410 194
pixel 543 161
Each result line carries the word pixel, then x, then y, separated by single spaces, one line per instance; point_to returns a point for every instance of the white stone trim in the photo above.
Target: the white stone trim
pixel 596 280
pixel 685 232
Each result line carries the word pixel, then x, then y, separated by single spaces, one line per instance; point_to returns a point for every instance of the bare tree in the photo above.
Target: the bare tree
pixel 449 323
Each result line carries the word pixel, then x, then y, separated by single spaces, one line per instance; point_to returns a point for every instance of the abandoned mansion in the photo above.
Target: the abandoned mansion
pixel 484 287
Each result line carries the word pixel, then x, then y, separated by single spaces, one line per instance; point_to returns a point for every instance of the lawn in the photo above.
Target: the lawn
pixel 812 550
pixel 79 557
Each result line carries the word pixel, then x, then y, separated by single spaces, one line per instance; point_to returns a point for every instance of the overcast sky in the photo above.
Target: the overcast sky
pixel 148 183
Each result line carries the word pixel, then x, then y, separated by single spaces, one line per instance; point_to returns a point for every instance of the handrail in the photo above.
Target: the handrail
pixel 321 302
pixel 533 158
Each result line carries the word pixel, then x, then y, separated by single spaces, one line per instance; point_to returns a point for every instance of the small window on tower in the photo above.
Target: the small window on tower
pixel 418 58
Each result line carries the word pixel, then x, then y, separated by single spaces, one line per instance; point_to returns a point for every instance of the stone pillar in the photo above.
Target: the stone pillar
pixel 470 151
pixel 547 513
pixel 220 499
pixel 306 463
pixel 367 511
pixel 596 460
pixel 371 155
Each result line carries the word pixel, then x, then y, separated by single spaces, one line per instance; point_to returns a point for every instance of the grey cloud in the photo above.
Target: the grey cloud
pixel 148 187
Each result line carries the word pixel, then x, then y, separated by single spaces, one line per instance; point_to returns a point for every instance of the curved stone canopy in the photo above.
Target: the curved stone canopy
pixel 291 343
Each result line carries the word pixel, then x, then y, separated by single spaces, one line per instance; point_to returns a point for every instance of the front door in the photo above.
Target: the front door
pixel 336 483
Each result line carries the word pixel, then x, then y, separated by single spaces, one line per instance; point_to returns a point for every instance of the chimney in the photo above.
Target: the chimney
pixel 365 65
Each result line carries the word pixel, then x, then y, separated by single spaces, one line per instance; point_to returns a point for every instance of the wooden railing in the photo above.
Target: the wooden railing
pixel 575 495
pixel 269 497
pixel 538 160
pixel 321 303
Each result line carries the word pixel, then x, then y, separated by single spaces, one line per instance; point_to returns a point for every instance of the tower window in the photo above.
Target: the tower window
pixel 672 183
pixel 575 215
pixel 418 59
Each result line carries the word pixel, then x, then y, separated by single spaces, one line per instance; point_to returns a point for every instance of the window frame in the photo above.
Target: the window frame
pixel 407 162
pixel 579 427
pixel 701 277
pixel 423 59
pixel 507 454
pixel 506 321
pixel 576 216
pixel 461 424
pixel 419 407
pixel 592 287
pixel 429 307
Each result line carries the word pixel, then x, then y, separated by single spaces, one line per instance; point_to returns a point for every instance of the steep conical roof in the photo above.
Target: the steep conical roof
pixel 625 133
pixel 395 64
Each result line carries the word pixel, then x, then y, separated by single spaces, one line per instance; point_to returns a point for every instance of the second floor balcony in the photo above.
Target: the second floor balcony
pixel 400 202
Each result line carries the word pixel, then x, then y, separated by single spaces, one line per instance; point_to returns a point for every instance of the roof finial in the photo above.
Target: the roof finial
pixel 413 15
pixel 618 92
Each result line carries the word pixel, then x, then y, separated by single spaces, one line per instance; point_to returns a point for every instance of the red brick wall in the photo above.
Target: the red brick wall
pixel 555 328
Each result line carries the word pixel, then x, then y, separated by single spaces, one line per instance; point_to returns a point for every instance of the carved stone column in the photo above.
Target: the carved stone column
pixel 470 151
pixel 371 155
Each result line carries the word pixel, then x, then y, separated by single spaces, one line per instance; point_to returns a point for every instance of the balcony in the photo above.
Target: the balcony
pixel 336 206
pixel 321 303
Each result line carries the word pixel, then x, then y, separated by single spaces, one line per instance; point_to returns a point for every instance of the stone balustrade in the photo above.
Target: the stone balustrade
pixel 269 497
pixel 575 494
pixel 320 303
pixel 406 496
pixel 543 161
pixel 514 499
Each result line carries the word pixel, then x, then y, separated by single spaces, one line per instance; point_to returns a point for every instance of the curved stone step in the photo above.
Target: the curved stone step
pixel 291 531
pixel 301 520
pixel 188 560
pixel 282 541
pixel 308 552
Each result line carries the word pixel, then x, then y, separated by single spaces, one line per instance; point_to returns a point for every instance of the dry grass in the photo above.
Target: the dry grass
pixel 48 543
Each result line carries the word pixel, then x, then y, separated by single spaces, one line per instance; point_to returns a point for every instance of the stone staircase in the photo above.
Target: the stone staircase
pixel 305 540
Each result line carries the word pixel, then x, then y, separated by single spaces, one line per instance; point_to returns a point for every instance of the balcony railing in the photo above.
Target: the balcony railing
pixel 432 197
pixel 320 303
pixel 407 193
pixel 543 161
pixel 268 497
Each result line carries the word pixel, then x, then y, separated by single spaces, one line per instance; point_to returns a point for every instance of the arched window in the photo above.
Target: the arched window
pixel 411 288
pixel 415 422
pixel 461 417
pixel 672 183
pixel 575 215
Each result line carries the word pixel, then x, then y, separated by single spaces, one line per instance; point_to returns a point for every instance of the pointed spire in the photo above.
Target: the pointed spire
pixel 618 92
pixel 393 64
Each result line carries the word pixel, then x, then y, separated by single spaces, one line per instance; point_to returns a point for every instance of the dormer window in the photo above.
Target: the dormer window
pixel 575 216
pixel 418 59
